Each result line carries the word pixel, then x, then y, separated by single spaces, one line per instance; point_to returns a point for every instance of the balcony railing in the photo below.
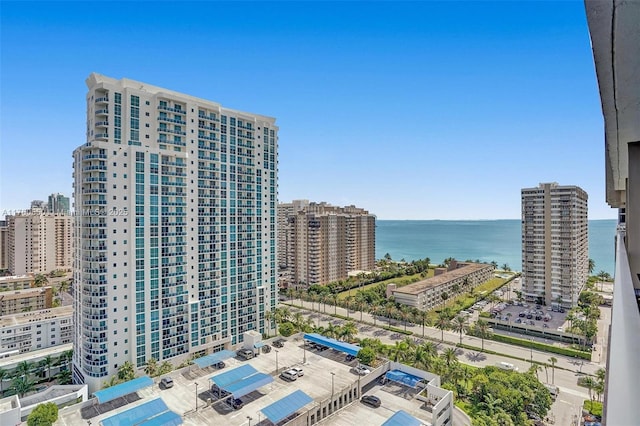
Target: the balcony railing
pixel 623 365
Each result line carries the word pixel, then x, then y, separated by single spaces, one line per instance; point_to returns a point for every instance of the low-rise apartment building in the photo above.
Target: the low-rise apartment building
pixel 16 282
pixel 27 300
pixel 32 331
pixel 459 277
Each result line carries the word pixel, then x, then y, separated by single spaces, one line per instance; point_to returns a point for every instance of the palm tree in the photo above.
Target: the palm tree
pixel 482 330
pixel 374 311
pixel 490 404
pixel 113 380
pixel 22 385
pixel 459 324
pixel 23 369
pixel 534 369
pixel 592 266
pixel 331 330
pixel 314 298
pixel 443 323
pixel 268 317
pixel 40 280
pixel 334 300
pixel 3 375
pixel 361 302
pixel 390 312
pixel 64 377
pixel 590 384
pixel 323 299
pixel 405 315
pixel 47 362
pixel 126 371
pixel 450 357
pixel 399 352
pixel 553 361
pixel 64 286
pixel 152 367
pixel 348 331
pixel 298 320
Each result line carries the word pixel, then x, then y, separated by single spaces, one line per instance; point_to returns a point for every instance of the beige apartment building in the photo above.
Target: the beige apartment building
pixel 555 244
pixel 27 300
pixel 4 245
pixel 427 294
pixel 16 282
pixel 39 242
pixel 319 243
pixel 35 330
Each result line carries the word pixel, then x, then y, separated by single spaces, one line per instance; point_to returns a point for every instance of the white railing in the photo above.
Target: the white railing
pixel 623 365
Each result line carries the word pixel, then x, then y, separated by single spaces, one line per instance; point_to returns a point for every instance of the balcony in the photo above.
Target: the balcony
pixel 102 100
pixel 623 364
pixel 103 111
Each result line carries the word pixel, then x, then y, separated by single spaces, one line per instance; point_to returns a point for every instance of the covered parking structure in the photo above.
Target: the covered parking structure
pixel 345 347
pixel 214 358
pixel 122 389
pixel 241 381
pixel 152 413
pixel 286 406
pixel 403 378
pixel 402 418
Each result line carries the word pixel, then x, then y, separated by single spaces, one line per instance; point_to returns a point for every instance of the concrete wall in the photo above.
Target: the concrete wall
pixel 74 392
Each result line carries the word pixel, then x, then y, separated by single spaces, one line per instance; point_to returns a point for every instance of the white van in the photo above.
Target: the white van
pixel 290 375
pixel 554 391
pixel 506 366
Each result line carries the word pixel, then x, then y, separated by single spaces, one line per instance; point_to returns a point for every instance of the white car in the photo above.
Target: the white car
pixel 361 370
pixel 298 371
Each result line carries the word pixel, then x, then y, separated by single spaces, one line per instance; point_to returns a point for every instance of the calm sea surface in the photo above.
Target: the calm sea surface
pixel 486 240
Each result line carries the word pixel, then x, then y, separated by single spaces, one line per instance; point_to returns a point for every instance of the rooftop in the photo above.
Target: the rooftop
pixel 36 316
pixel 438 280
pixel 31 356
pixel 15 278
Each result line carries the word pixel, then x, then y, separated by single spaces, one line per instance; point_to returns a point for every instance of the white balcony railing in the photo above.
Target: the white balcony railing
pixel 623 366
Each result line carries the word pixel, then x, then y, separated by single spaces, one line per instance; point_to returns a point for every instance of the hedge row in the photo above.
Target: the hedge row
pixel 398 330
pixel 541 346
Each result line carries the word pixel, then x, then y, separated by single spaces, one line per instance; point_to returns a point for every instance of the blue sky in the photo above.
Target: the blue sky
pixel 418 110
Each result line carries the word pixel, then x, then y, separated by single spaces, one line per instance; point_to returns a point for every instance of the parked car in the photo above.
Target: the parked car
pixel 349 358
pixel 371 400
pixel 289 375
pixel 166 382
pixel 519 320
pixel 235 403
pixel 278 343
pixel 245 353
pixel 220 393
pixel 298 371
pixel 506 366
pixel 361 370
pixel 219 365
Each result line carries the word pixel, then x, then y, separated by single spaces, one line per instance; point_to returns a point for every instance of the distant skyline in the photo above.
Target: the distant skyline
pixel 416 110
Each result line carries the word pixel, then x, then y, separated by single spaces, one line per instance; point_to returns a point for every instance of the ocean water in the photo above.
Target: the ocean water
pixel 486 240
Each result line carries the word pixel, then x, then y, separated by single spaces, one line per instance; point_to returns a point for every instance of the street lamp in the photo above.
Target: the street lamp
pixel 332 376
pixel 249 418
pixel 276 361
pixel 304 349
pixel 531 352
pixel 196 396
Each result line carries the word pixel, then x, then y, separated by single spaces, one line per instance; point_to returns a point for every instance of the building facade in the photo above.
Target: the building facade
pixel 27 300
pixel 16 282
pixel 175 223
pixel 459 277
pixel 4 245
pixel 58 203
pixel 35 330
pixel 555 244
pixel 39 242
pixel 319 243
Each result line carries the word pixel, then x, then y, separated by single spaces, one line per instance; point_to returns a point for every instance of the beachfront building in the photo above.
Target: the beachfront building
pixel 30 299
pixel 175 225
pixel 458 277
pixel 555 244
pixel 38 241
pixel 319 243
pixel 35 330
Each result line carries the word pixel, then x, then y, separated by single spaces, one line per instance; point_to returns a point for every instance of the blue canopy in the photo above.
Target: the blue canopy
pixel 286 406
pixel 402 418
pixel 345 347
pixel 258 345
pixel 248 384
pixel 214 358
pixel 114 392
pixel 168 418
pixel 147 412
pixel 403 378
pixel 234 375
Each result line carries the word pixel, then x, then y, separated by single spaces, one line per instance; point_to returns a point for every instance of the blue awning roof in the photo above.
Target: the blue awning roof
pixel 345 347
pixel 286 406
pixel 403 378
pixel 147 412
pixel 214 358
pixel 402 418
pixel 258 345
pixel 168 418
pixel 248 385
pixel 122 389
pixel 233 376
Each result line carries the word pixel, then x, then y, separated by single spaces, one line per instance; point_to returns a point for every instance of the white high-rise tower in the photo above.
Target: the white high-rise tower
pixel 175 230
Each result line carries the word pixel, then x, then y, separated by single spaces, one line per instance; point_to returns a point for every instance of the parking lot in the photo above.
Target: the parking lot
pixel 533 317
pixel 325 372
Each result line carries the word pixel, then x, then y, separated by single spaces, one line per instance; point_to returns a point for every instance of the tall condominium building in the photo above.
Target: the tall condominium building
pixel 39 242
pixel 58 203
pixel 175 206
pixel 320 243
pixel 555 243
pixel 4 245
